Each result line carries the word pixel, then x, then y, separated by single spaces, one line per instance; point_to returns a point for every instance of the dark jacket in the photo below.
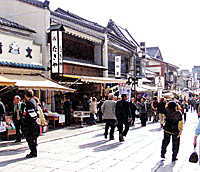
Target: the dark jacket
pixel 173 122
pixel 123 111
pixel 161 107
pixel 143 108
pixel 67 107
pixel 30 128
pixel 133 108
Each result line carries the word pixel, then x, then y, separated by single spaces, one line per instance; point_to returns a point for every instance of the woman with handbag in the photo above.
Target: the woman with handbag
pixel 31 129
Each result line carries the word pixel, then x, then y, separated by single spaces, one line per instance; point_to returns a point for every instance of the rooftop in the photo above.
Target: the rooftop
pixel 154 52
pixel 37 3
pixel 66 15
pixel 12 24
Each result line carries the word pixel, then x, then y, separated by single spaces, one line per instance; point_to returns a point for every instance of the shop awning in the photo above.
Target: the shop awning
pixel 6 82
pixel 35 82
pixel 96 79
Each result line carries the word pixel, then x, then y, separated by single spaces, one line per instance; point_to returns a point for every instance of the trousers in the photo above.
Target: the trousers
pixel 18 125
pixel 175 144
pixel 110 123
pixel 32 143
pixel 120 127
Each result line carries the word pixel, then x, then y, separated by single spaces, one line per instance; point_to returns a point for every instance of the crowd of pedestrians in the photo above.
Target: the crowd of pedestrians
pixel 116 112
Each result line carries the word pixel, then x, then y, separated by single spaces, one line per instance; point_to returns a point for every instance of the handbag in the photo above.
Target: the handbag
pixel 194 157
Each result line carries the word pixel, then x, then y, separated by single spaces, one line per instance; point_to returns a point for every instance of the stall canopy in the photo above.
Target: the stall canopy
pixel 6 82
pixel 96 79
pixel 35 82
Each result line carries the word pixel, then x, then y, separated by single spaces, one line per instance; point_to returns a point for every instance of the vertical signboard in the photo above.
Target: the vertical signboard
pixel 56 52
pixel 60 53
pixel 117 66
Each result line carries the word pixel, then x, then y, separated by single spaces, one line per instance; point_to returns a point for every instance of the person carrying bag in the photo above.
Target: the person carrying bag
pixel 31 129
pixel 194 156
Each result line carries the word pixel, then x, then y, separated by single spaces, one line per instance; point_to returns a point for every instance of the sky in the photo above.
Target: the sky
pixel 172 25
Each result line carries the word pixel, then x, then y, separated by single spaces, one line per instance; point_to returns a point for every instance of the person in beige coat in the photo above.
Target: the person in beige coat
pixel 93 110
pixel 108 110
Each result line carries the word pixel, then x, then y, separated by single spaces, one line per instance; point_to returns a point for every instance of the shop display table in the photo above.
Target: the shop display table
pixel 55 118
pixel 81 115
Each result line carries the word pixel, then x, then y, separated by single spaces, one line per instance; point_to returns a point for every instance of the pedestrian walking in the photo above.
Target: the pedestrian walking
pixel 93 110
pixel 161 111
pixel 133 109
pixel 31 129
pixel 197 133
pixel 123 114
pixel 173 128
pixel 2 111
pixel 18 110
pixel 109 116
pixel 154 106
pixel 143 111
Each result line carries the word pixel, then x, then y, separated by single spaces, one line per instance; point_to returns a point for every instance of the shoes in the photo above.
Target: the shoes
pixel 174 159
pixel 106 136
pixel 121 139
pixel 112 138
pixel 31 155
pixel 17 141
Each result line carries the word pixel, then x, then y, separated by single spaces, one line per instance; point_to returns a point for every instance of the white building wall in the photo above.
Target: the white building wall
pixel 32 17
pixel 23 43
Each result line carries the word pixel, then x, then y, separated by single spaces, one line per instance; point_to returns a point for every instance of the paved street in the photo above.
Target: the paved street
pixel 85 150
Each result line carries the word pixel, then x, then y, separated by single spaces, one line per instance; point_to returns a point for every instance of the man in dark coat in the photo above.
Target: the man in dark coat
pixel 123 113
pixel 67 111
pixel 31 129
pixel 133 108
pixel 143 111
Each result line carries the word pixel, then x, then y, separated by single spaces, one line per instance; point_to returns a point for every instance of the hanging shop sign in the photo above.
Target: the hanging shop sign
pixel 117 66
pixel 56 52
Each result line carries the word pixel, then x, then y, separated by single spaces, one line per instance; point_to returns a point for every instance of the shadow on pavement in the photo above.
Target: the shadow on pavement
pixel 156 129
pixel 160 167
pixel 107 147
pixel 93 144
pixel 7 162
pixel 9 152
pixel 99 135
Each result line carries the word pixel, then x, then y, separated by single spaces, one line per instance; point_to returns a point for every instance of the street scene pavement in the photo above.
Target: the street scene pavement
pixel 86 149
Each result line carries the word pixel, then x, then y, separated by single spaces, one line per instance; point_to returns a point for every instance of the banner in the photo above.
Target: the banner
pixel 117 66
pixel 56 52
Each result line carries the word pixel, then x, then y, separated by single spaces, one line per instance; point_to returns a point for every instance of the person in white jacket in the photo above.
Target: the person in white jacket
pixel 197 132
pixel 108 110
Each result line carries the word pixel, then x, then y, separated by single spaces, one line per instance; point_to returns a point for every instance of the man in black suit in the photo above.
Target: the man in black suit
pixel 123 113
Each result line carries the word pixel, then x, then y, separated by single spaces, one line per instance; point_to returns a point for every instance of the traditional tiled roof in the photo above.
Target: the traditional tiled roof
pixel 121 33
pixel 12 24
pixel 21 65
pixel 37 3
pixel 154 52
pixel 66 15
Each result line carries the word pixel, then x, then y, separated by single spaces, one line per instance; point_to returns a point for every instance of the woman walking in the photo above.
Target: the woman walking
pixel 173 128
